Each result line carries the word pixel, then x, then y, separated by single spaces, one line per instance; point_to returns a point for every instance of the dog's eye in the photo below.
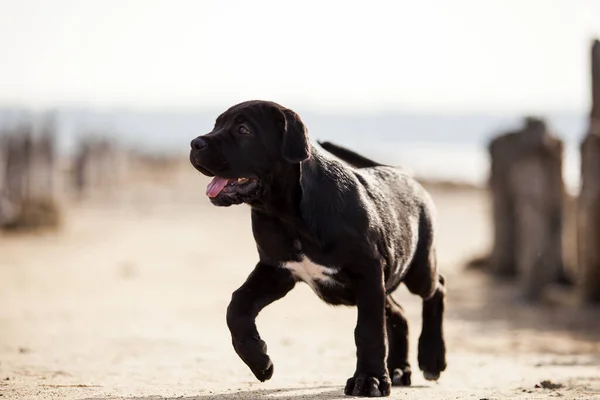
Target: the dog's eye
pixel 243 130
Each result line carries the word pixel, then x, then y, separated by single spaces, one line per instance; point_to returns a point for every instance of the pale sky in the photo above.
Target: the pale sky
pixel 442 56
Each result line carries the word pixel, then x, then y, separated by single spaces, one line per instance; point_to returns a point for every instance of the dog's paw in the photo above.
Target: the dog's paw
pixel 401 376
pixel 432 356
pixel 264 374
pixel 254 353
pixel 368 386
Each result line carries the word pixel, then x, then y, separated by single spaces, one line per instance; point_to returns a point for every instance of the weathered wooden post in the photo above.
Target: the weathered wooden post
pixel 539 189
pixel 97 167
pixel 87 167
pixel 17 162
pixel 80 169
pixel 502 260
pixel 43 162
pixel 4 204
pixel 528 192
pixel 28 188
pixel 588 214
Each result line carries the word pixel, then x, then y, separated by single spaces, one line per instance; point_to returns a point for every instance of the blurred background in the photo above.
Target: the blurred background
pixel 115 270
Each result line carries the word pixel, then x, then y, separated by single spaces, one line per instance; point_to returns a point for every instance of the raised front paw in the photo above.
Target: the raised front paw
pixel 253 351
pixel 368 386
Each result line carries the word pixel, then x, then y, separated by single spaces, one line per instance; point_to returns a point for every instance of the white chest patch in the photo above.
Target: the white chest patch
pixel 310 272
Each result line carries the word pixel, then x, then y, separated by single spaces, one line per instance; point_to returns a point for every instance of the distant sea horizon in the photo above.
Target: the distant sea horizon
pixel 436 146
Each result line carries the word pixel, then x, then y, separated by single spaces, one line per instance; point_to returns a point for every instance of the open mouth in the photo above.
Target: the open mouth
pixel 241 186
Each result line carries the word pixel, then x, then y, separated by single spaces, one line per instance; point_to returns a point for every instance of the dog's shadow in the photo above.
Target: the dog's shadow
pixel 318 393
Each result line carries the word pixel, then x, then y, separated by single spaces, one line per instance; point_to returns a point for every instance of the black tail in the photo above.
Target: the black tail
pixel 352 158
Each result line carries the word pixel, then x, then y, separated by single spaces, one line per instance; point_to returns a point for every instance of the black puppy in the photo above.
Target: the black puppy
pixel 352 234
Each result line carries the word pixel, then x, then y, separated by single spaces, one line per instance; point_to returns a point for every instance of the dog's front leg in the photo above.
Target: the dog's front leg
pixel 371 378
pixel 264 285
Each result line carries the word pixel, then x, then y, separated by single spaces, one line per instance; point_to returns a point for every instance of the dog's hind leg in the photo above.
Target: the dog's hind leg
pixel 424 280
pixel 432 348
pixel 397 332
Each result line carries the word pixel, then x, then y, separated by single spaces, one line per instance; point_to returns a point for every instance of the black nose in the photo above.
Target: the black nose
pixel 198 143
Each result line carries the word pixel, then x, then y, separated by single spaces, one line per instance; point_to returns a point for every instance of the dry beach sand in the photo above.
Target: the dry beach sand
pixel 128 301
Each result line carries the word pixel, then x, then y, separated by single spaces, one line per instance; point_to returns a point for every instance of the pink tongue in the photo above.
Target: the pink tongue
pixel 215 186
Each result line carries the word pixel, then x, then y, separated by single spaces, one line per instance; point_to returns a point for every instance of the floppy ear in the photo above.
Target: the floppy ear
pixel 295 146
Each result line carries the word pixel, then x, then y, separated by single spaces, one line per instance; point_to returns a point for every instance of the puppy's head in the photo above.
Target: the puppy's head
pixel 249 143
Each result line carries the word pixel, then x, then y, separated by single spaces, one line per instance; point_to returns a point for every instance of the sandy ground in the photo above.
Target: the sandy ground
pixel 128 301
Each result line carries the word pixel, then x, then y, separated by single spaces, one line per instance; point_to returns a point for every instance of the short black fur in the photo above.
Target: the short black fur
pixel 370 227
